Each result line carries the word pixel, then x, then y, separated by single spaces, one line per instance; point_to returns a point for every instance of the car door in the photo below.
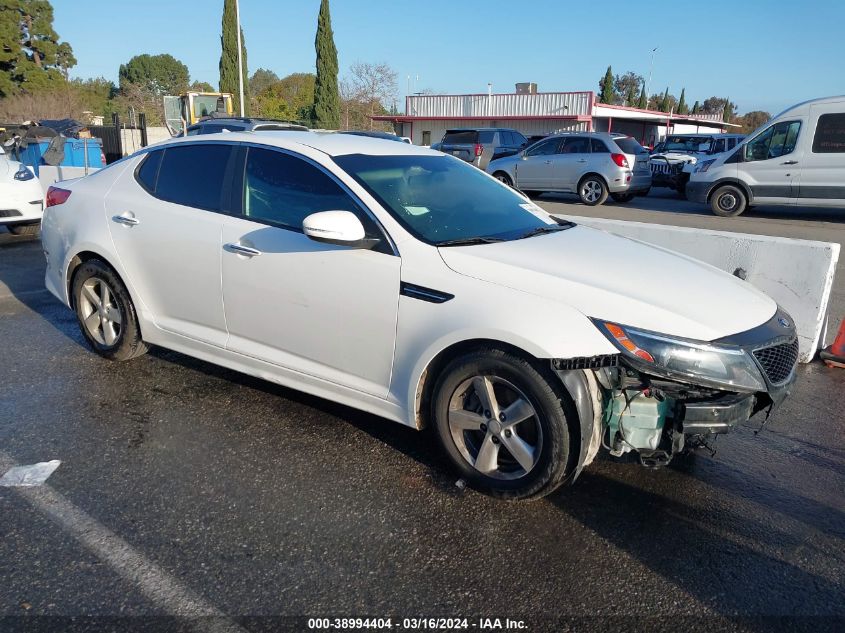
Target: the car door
pixel 571 162
pixel 324 310
pixel 823 168
pixel 771 163
pixel 534 170
pixel 165 221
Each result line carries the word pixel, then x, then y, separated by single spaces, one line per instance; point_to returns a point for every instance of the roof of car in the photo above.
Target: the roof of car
pixel 326 142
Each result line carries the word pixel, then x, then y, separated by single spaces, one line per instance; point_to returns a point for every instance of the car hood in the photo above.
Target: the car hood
pixel 619 279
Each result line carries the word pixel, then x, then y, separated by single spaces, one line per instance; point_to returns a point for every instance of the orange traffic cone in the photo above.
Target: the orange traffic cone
pixel 834 356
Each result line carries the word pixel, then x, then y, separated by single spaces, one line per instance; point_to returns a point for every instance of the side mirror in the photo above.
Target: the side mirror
pixel 337 227
pixel 522 155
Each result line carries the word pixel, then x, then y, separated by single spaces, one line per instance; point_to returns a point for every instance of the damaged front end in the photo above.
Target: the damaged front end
pixel 663 394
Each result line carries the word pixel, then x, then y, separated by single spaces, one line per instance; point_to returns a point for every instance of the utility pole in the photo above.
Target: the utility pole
pixel 650 72
pixel 240 57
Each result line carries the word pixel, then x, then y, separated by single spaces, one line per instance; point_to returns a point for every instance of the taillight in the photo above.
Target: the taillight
pixel 619 159
pixel 103 158
pixel 478 149
pixel 55 196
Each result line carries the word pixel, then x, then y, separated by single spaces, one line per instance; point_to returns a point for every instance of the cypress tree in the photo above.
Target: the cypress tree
pixel 643 101
pixel 696 108
pixel 607 94
pixel 682 103
pixel 229 58
pixel 326 94
pixel 664 102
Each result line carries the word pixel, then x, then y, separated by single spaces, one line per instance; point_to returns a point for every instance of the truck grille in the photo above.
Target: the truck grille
pixel 662 167
pixel 778 361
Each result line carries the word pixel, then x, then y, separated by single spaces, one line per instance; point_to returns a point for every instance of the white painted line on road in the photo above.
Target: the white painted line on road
pixel 30 475
pixel 155 583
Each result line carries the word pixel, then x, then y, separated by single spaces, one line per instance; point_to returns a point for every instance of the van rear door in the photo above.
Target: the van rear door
pixel 823 169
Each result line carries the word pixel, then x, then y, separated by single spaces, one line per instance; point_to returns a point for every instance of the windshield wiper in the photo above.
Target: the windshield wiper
pixel 467 241
pixel 546 229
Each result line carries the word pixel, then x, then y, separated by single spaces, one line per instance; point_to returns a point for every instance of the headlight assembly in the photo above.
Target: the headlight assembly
pixel 23 174
pixel 695 362
pixel 703 167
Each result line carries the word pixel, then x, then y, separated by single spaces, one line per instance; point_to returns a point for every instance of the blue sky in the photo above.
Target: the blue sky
pixel 762 54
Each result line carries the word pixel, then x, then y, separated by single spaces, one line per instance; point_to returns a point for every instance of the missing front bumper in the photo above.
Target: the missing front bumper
pixel 717 415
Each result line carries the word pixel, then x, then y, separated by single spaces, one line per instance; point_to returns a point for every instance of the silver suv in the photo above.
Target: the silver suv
pixel 591 164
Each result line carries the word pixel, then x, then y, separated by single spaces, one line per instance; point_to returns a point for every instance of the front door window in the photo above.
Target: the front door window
pixel 773 142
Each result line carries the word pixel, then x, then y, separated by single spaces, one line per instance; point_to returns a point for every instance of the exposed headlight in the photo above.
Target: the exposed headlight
pixel 696 362
pixel 24 174
pixel 703 167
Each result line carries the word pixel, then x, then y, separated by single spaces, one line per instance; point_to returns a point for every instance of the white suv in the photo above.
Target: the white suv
pixel 412 285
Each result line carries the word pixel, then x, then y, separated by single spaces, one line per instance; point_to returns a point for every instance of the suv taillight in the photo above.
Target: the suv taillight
pixel 478 149
pixel 619 159
pixel 56 196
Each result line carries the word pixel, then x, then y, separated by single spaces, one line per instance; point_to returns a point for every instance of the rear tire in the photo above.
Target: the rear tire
pixel 503 178
pixel 622 197
pixel 489 403
pixel 592 190
pixel 25 229
pixel 728 201
pixel 105 312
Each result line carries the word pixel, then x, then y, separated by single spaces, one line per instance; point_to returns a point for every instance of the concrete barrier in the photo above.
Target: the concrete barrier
pixel 798 274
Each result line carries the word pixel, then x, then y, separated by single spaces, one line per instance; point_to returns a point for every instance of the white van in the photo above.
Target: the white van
pixel 796 158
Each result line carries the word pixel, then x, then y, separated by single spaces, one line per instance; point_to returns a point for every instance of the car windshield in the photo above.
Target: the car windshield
pixel 442 199
pixel 687 143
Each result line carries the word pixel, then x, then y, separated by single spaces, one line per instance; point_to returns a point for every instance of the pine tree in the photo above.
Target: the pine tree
pixel 643 101
pixel 607 94
pixel 682 103
pixel 229 81
pixel 696 107
pixel 664 101
pixel 326 93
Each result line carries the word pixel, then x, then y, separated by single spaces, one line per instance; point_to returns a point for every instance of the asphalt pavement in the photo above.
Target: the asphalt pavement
pixel 191 497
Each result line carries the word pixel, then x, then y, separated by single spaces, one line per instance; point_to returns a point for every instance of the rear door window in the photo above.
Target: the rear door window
pixel 505 138
pixel 486 136
pixel 576 145
pixel 194 175
pixel 830 134
pixel 148 170
pixel 597 146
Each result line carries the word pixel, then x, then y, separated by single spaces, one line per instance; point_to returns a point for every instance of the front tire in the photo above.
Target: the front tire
pixel 25 229
pixel 503 424
pixel 592 191
pixel 728 201
pixel 503 178
pixel 105 312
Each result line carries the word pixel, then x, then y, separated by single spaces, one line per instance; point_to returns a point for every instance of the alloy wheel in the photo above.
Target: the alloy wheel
pixel 591 191
pixel 495 427
pixel 101 314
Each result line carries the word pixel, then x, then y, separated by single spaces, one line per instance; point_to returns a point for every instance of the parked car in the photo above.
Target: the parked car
pixel 674 158
pixel 591 164
pixel 470 144
pixel 213 125
pixel 21 197
pixel 376 134
pixel 409 284
pixel 796 158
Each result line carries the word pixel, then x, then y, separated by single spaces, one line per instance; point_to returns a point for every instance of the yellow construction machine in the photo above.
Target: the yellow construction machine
pixel 190 107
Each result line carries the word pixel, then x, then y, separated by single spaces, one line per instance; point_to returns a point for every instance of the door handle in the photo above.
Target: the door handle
pixel 240 249
pixel 126 220
pixel 583 160
pixel 548 162
pixel 790 162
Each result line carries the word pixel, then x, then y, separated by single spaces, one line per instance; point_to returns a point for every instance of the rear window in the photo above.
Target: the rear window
pixel 629 145
pixel 830 134
pixel 148 171
pixel 461 137
pixel 192 175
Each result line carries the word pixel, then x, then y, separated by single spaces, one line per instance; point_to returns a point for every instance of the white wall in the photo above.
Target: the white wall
pixel 798 274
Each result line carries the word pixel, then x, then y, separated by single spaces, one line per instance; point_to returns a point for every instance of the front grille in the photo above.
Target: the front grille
pixel 661 167
pixel 778 361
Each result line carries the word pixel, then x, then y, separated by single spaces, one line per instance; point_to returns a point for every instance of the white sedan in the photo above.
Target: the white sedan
pixel 21 197
pixel 406 283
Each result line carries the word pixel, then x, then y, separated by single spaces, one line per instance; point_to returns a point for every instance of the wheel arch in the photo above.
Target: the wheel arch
pixel 597 175
pixel 76 262
pixel 573 386
pixel 730 181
